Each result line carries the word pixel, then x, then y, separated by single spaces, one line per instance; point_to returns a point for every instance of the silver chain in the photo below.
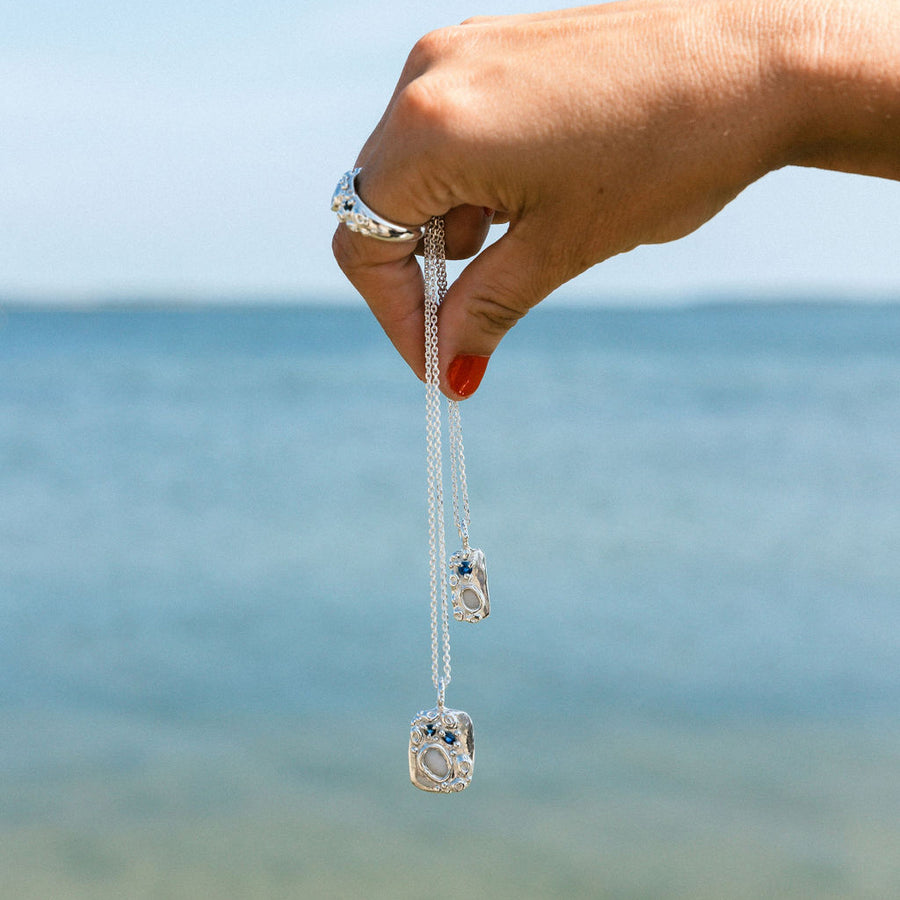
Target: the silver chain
pixel 458 474
pixel 435 288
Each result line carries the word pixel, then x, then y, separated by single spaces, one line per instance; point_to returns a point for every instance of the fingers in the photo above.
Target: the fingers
pixel 388 276
pixel 493 292
pixel 402 178
pixel 390 280
pixel 465 230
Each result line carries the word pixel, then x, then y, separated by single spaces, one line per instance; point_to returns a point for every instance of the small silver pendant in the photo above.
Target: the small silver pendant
pixel 441 750
pixel 469 586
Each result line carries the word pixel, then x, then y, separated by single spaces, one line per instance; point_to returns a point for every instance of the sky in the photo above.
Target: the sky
pixel 189 151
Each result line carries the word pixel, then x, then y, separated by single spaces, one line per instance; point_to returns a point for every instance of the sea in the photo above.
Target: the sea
pixel 214 607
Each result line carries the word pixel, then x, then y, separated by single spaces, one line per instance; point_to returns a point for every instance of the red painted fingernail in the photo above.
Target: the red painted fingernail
pixel 464 374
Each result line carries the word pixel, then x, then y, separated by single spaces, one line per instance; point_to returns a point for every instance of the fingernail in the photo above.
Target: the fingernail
pixel 464 374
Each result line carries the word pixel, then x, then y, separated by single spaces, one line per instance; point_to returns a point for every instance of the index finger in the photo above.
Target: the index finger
pixel 390 280
pixel 385 272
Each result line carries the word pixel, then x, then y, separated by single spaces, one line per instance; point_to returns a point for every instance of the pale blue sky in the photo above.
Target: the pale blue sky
pixel 162 148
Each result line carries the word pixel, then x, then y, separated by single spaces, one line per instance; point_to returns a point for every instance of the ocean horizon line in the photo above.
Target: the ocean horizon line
pixel 564 301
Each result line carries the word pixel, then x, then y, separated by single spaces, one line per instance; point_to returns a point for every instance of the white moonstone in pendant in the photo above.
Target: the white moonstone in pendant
pixel 471 600
pixel 436 763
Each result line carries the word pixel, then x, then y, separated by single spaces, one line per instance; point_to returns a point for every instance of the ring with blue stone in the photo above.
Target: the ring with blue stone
pixel 358 217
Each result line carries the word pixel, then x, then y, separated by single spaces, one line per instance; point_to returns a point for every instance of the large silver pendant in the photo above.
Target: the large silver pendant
pixel 469 586
pixel 441 750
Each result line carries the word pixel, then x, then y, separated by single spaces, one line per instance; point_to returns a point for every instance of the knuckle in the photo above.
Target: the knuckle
pixel 429 49
pixel 431 94
pixel 424 105
pixel 496 315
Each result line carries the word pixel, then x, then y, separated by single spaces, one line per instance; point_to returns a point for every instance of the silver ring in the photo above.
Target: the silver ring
pixel 359 218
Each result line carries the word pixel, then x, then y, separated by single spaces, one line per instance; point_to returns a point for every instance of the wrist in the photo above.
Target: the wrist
pixel 837 68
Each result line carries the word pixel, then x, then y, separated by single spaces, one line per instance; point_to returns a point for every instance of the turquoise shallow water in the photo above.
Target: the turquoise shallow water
pixel 213 617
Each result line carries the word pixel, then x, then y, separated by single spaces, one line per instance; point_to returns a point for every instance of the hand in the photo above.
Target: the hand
pixel 593 130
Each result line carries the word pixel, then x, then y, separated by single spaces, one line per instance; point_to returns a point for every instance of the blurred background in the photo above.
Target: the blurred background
pixel 683 469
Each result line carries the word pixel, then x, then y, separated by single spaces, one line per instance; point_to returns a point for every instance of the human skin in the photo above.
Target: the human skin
pixel 594 130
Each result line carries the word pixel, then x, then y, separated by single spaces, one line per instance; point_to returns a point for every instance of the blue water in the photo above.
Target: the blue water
pixel 213 605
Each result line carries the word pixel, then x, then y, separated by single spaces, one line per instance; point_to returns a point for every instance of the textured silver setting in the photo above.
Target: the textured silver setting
pixel 441 750
pixel 359 218
pixel 469 586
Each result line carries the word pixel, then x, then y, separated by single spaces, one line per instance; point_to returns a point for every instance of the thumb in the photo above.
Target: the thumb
pixel 491 294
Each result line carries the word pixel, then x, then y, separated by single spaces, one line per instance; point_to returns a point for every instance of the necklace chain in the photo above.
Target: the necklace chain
pixel 435 288
pixel 458 475
pixel 441 742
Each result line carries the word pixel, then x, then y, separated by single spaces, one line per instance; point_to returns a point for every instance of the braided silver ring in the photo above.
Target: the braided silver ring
pixel 359 218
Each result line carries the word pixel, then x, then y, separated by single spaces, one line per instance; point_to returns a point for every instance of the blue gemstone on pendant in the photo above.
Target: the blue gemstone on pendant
pixel 431 731
pixel 449 738
pixel 464 568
